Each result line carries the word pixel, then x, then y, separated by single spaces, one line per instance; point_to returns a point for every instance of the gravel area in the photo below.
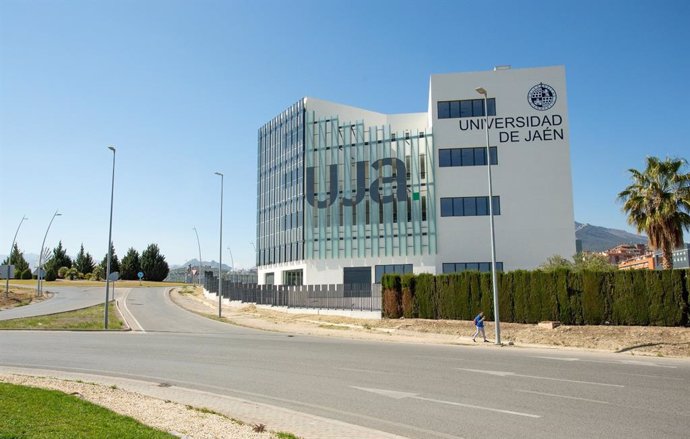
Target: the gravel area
pixel 177 419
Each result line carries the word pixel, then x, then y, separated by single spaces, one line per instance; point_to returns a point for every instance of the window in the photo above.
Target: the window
pixel 466 156
pixel 469 206
pixel 457 267
pixel 444 110
pixel 393 268
pixel 447 207
pixel 465 108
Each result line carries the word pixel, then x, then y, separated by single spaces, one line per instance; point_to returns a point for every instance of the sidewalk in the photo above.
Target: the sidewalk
pixel 642 340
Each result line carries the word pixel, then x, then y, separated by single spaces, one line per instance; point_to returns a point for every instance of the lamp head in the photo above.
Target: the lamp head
pixel 481 90
pixel 112 148
pixel 218 173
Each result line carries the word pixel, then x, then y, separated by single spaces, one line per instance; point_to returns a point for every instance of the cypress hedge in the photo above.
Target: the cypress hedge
pixel 409 305
pixel 636 297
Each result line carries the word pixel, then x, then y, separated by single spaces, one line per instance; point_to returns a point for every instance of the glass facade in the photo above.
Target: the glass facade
pixel 280 193
pixel 369 192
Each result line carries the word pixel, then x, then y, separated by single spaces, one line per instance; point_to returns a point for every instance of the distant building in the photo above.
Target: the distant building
pixel 623 252
pixel 639 263
pixel 679 256
pixel 652 260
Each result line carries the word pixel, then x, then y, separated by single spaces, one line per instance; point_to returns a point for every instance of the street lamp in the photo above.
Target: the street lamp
pixel 483 92
pixel 39 287
pixel 220 262
pixel 110 243
pixel 198 245
pixel 9 258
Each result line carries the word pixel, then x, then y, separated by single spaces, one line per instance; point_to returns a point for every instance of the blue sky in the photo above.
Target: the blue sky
pixel 181 87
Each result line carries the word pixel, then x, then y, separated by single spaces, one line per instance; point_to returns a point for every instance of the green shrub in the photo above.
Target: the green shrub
pixel 666 304
pixel 594 285
pixel 26 274
pixel 51 275
pixel 521 286
pixel 629 298
pixel 561 294
pixel 506 298
pixel 425 293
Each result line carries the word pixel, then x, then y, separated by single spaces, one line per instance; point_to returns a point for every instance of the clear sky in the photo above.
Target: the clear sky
pixel 181 87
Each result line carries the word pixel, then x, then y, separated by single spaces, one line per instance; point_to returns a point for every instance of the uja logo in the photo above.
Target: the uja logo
pixel 541 97
pixel 374 189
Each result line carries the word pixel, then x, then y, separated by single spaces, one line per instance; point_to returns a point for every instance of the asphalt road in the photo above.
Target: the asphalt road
pixel 416 391
pixel 64 299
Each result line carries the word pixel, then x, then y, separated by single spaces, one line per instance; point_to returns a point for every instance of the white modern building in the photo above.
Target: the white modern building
pixel 347 194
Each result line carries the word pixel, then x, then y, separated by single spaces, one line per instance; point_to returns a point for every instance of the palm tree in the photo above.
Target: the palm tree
pixel 658 203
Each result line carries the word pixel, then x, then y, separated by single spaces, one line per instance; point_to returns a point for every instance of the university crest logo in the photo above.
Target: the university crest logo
pixel 541 97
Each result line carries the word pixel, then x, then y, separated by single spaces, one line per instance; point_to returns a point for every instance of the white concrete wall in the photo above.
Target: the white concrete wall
pixel 330 271
pixel 533 179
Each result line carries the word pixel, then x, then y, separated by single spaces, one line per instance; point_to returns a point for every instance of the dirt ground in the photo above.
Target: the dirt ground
pixel 19 297
pixel 635 340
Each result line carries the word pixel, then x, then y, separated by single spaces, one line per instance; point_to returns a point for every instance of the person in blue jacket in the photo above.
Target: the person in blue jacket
pixel 479 323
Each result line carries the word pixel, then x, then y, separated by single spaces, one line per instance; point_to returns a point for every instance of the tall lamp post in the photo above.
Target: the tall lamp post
pixel 9 258
pixel 483 92
pixel 220 262
pixel 198 245
pixel 39 286
pixel 110 243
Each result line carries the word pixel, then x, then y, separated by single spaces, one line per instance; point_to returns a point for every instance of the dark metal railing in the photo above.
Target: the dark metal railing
pixel 354 297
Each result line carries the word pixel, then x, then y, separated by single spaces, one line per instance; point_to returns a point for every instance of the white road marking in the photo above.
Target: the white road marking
pixel 401 395
pixel 361 370
pixel 124 304
pixel 644 363
pixel 558 358
pixel 652 376
pixel 505 374
pixel 561 396
pixel 633 362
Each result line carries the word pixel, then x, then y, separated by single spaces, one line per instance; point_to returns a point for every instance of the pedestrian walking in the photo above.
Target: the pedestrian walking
pixel 479 324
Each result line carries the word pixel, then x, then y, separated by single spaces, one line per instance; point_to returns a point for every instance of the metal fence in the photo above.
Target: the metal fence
pixel 354 297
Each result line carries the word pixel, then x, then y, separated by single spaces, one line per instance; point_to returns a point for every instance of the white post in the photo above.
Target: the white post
pixel 9 258
pixel 497 322
pixel 110 243
pixel 220 262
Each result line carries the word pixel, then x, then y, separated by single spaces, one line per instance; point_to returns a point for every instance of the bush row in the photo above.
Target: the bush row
pixel 633 297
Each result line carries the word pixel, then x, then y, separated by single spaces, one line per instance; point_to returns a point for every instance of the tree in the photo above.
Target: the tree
pixel 114 262
pixel 153 264
pixel 16 258
pixel 97 273
pixel 71 273
pixel 61 272
pixel 658 203
pixel 582 262
pixel 58 259
pixel 131 265
pixel 84 262
pixel 556 262
pixel 593 262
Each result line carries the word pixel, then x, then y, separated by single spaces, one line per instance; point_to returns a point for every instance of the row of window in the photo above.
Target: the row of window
pixel 380 270
pixel 465 108
pixel 466 156
pixel 469 206
pixel 484 267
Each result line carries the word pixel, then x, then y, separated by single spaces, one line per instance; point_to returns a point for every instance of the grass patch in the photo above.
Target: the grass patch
pixel 87 318
pixel 38 413
pixel 284 435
